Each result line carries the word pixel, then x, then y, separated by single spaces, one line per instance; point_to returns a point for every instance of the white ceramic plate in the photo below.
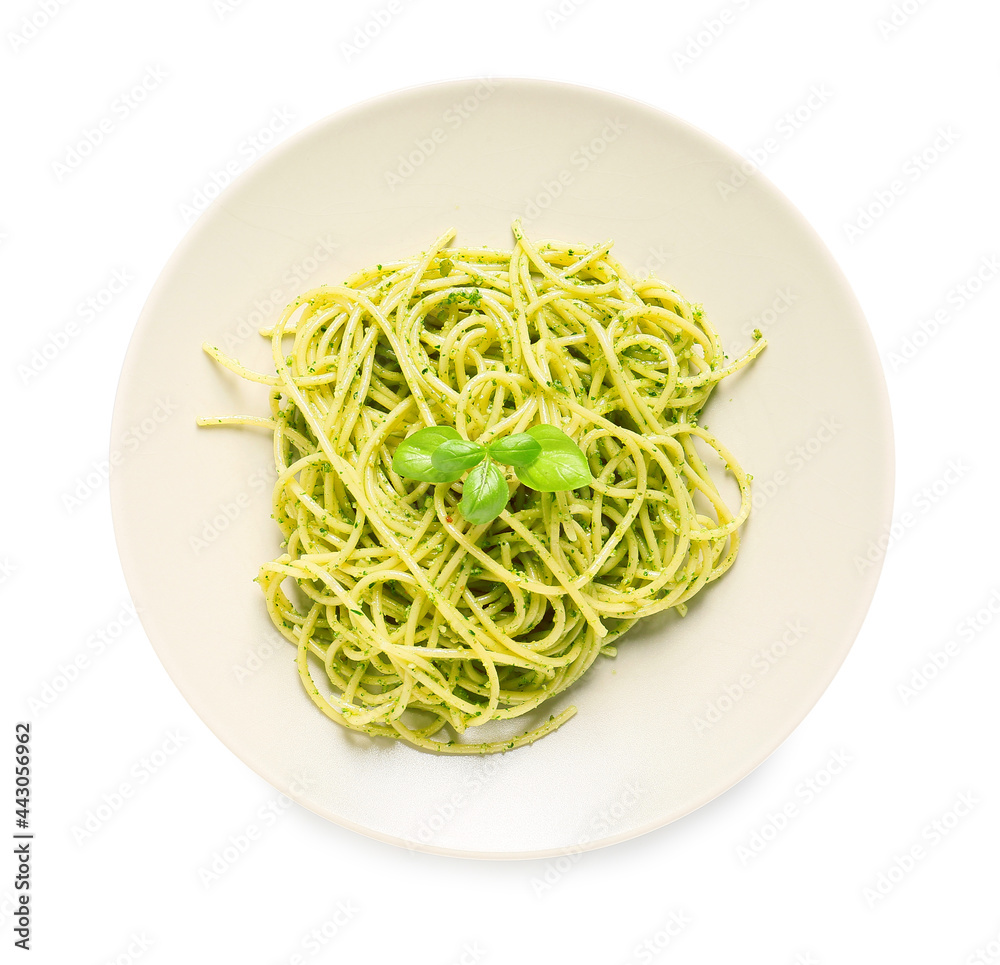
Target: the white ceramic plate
pixel 690 706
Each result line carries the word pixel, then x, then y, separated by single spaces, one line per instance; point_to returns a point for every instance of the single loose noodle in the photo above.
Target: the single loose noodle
pixel 411 622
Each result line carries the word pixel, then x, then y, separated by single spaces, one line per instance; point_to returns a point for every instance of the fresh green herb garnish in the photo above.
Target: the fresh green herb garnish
pixel 544 459
pixel 559 467
pixel 457 455
pixel 519 450
pixel 484 494
pixel 413 457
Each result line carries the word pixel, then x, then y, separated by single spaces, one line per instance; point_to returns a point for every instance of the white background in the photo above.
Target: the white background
pixel 895 103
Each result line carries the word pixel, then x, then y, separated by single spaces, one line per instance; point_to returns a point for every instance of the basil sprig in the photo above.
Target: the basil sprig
pixel 544 458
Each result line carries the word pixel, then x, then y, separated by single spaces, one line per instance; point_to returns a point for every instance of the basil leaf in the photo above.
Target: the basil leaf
pixel 413 455
pixel 457 455
pixel 519 449
pixel 484 493
pixel 560 466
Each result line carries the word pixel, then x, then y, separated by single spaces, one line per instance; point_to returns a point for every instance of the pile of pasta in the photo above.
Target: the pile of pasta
pixel 409 621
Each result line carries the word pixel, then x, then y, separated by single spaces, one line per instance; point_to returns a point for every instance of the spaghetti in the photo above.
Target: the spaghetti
pixel 409 621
